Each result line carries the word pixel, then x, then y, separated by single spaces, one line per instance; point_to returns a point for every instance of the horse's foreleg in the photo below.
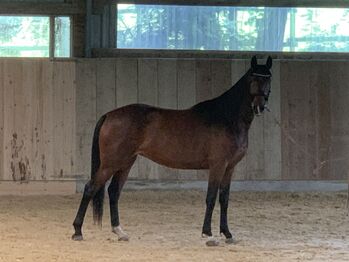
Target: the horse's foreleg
pixel 114 191
pixel 214 181
pixel 224 190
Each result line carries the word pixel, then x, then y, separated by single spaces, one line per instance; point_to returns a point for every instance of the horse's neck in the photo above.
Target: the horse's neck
pixel 238 102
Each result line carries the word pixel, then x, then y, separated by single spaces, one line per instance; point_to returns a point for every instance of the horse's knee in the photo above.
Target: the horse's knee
pixel 210 201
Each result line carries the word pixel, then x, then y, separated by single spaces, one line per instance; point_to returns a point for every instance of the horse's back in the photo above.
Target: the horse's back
pixel 140 120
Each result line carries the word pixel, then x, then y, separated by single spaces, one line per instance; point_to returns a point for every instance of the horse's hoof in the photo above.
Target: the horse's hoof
pixel 121 233
pixel 203 235
pixel 212 242
pixel 76 237
pixel 229 241
pixel 124 238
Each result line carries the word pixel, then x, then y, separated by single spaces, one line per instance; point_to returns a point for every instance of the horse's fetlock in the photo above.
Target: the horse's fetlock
pixel 207 231
pixel 226 232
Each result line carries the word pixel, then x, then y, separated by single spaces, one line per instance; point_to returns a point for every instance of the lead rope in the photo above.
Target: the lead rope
pixel 320 165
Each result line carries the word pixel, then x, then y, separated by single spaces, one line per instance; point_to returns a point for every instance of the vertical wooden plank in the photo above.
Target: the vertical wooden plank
pixel 126 81
pixel 284 112
pixel 85 114
pixel 69 101
pixel 58 122
pixel 203 80
pixel 17 138
pixel 298 137
pixel 286 107
pixel 10 159
pixel 186 83
pixel 238 69
pixel 186 74
pixel 312 123
pixel 126 90
pixel 272 129
pixel 339 148
pixel 203 92
pixel 323 116
pixel 148 81
pixel 106 84
pixel 2 87
pixel 308 113
pixel 221 76
pixel 147 94
pixel 20 128
pixel 39 147
pixel 48 119
pixel 32 136
pixel 167 80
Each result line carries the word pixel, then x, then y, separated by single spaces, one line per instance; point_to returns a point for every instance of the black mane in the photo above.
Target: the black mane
pixel 229 107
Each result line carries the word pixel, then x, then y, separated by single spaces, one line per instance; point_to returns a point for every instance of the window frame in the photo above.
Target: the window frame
pixel 101 8
pixel 345 6
pixel 52 43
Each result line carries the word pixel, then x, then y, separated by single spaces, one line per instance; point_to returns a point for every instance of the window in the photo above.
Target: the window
pixel 233 28
pixel 29 36
pixel 62 36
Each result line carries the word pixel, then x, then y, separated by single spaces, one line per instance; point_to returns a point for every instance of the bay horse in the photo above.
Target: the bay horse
pixel 210 135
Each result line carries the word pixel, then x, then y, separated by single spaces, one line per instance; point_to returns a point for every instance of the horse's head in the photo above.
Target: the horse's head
pixel 259 79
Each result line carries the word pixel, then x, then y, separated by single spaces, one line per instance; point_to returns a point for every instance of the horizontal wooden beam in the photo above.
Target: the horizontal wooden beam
pixel 25 8
pixel 154 53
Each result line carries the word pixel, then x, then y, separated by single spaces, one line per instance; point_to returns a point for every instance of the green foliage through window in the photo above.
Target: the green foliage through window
pixel 29 36
pixel 233 28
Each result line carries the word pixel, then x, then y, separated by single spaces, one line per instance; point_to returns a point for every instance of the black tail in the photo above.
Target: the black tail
pixel 98 198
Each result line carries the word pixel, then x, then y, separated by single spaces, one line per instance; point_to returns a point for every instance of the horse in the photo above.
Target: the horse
pixel 210 135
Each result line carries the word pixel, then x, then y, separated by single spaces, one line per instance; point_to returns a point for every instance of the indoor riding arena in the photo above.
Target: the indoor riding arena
pixel 206 130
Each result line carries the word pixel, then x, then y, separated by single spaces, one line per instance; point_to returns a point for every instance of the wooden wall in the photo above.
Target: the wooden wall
pixel 315 134
pixel 49 109
pixel 38 120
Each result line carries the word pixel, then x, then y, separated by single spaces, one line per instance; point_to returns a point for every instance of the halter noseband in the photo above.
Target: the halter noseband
pixel 262 75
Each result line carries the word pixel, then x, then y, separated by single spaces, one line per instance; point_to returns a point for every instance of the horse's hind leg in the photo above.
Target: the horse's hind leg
pixel 91 188
pixel 224 189
pixel 114 191
pixel 89 191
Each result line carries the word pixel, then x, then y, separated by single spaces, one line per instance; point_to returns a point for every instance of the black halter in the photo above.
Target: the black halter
pixel 262 75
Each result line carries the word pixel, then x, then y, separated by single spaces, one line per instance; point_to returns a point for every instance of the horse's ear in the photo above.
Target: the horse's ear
pixel 253 62
pixel 269 62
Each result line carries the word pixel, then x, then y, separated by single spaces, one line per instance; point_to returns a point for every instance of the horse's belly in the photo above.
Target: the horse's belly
pixel 176 140
pixel 176 160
